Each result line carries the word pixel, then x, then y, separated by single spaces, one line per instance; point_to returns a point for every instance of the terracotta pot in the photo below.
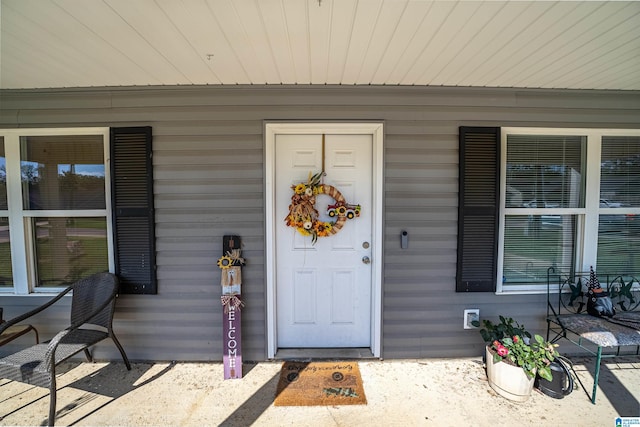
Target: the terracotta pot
pixel 507 380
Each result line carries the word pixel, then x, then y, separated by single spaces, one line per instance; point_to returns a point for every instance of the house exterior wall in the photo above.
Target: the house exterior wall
pixel 208 156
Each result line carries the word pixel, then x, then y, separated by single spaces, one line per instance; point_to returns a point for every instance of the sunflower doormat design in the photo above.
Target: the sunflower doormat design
pixel 320 384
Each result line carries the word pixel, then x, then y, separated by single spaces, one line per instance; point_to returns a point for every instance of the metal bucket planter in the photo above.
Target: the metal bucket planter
pixel 507 380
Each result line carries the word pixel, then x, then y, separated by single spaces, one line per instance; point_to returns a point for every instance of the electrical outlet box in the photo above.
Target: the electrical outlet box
pixel 471 314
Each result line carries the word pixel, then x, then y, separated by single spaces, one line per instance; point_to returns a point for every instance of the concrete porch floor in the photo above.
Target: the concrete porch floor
pixel 424 392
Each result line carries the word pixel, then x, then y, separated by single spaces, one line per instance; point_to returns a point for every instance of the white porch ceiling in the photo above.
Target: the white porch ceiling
pixel 524 44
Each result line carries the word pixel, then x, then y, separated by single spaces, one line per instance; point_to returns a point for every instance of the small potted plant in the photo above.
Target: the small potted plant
pixel 514 358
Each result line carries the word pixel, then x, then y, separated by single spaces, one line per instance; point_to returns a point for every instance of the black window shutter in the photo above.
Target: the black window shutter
pixel 133 210
pixel 478 209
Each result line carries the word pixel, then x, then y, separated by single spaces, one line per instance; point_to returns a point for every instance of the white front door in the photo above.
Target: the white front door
pixel 324 289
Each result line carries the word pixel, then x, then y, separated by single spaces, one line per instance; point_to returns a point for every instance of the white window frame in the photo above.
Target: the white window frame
pixel 22 257
pixel 586 239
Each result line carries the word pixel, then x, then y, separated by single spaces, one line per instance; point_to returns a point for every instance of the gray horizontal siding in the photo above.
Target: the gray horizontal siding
pixel 209 181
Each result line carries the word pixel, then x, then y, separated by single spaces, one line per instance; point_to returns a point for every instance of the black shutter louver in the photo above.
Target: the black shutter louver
pixel 133 209
pixel 478 209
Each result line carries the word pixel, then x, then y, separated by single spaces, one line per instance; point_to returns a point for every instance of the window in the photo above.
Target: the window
pixel 618 222
pixel 6 270
pixel 570 200
pixel 54 208
pixel 74 202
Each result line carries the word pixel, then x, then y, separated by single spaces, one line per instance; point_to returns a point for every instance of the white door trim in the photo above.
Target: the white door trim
pixel 375 129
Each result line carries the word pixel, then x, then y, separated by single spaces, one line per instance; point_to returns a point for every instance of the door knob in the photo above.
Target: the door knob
pixel 366 260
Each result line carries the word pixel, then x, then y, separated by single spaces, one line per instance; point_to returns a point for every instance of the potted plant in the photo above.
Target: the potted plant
pixel 514 359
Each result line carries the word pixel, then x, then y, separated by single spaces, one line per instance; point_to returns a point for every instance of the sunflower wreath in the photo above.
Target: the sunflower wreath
pixel 303 215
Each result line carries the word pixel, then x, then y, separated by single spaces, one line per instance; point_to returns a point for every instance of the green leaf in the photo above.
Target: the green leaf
pixel 545 372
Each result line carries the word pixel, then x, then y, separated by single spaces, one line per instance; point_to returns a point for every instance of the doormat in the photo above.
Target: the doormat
pixel 320 384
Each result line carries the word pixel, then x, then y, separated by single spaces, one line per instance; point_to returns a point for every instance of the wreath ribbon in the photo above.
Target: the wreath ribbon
pixel 333 192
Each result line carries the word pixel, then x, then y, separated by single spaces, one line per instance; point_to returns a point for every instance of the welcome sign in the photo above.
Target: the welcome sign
pixel 232 358
pixel 231 280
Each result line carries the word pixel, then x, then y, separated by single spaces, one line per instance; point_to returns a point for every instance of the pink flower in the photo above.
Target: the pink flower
pixel 502 351
pixel 516 338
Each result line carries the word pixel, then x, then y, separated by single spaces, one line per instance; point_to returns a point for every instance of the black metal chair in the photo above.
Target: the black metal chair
pixel 92 308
